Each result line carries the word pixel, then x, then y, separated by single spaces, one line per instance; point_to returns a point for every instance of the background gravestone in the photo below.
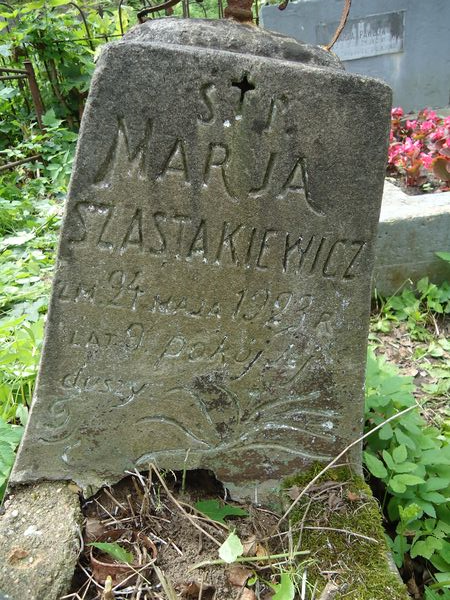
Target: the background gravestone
pixel 403 42
pixel 210 304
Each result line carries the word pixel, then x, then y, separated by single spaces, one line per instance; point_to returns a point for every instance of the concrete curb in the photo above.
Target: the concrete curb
pixel 411 230
pixel 40 529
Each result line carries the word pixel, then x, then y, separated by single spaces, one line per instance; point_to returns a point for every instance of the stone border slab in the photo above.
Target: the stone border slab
pixel 40 532
pixel 411 230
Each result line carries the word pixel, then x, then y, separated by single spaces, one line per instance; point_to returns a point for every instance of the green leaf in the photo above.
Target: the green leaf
pixel 432 595
pixel 444 255
pixel 217 511
pixel 399 547
pixel 388 460
pixel 375 465
pixel 50 120
pixel 7 457
pixel 427 507
pixel 435 483
pixel 439 563
pixel 434 497
pixel 8 92
pixel 5 50
pixel 426 547
pixel 445 551
pixel 285 590
pixel 408 479
pixel 397 486
pixel 400 454
pixel 114 550
pixel 386 432
pixel 231 549
pixel 410 513
pixel 406 467
pixel 11 434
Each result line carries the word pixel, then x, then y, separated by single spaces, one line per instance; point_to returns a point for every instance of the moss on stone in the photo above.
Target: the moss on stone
pixel 360 567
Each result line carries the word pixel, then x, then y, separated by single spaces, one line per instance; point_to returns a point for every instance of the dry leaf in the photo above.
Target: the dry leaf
pixel 93 530
pixel 191 590
pixel 249 546
pixel 353 497
pixel 293 492
pixel 238 575
pixel 247 594
pixel 261 550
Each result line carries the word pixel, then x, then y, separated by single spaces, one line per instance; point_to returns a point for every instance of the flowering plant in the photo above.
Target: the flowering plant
pixel 419 149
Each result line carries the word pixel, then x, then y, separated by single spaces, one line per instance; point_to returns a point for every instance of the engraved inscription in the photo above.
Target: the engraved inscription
pixel 124 230
pixel 280 176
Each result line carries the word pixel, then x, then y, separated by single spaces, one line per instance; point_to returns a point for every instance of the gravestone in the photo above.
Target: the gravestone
pixel 211 298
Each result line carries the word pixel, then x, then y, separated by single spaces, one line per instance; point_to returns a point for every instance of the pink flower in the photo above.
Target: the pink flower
pixel 397 112
pixel 411 147
pixel 429 114
pixel 427 159
pixel 427 126
pixel 411 124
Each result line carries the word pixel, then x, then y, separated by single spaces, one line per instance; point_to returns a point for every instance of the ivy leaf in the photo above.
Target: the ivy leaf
pixel 218 512
pixel 375 465
pixel 114 550
pixel 284 590
pixel 231 549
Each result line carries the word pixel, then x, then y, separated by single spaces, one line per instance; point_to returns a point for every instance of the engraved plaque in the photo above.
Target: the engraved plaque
pixel 369 36
pixel 210 303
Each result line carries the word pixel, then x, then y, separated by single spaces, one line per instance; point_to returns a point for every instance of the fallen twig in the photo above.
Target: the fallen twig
pixel 248 559
pixel 16 163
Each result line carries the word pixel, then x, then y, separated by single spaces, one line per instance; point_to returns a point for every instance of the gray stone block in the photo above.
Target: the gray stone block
pixel 411 230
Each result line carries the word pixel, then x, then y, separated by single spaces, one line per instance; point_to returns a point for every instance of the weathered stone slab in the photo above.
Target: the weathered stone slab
pixel 210 305
pixel 40 532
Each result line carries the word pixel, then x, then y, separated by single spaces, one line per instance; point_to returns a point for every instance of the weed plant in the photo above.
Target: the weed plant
pixel 31 199
pixel 412 461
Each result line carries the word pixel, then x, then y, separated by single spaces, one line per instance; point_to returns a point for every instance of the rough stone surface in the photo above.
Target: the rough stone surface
pixel 411 230
pixel 40 540
pixel 210 305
